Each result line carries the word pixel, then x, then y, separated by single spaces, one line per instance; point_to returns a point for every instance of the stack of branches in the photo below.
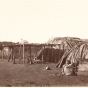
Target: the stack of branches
pixel 65 42
pixel 77 52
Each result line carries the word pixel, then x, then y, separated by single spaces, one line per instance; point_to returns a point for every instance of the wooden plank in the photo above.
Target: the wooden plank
pixel 36 45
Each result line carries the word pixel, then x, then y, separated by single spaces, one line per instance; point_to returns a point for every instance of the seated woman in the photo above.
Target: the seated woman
pixel 67 69
pixel 75 68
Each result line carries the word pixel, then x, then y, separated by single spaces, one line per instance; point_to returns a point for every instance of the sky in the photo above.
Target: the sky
pixel 38 20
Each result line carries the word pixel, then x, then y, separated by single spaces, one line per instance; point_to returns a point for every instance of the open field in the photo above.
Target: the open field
pixel 36 75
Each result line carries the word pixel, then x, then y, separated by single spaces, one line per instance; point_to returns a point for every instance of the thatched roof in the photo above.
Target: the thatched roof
pixel 77 52
pixel 65 42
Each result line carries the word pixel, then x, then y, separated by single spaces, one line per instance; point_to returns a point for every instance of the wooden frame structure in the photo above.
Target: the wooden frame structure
pixel 26 45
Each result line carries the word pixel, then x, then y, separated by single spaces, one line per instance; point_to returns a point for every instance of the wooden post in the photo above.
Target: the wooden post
pixel 48 55
pixel 10 56
pixel 23 54
pixel 3 52
pixel 30 55
pixel 30 52
pixel 59 52
pixel 43 54
pixel 13 57
pixel 36 54
pixel 2 55
pixel 52 54
pixel 19 53
pixel 11 53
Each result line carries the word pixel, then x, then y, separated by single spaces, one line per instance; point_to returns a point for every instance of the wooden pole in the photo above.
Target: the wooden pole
pixel 36 54
pixel 30 55
pixel 52 54
pixel 48 56
pixel 20 53
pixel 10 56
pixel 59 52
pixel 13 57
pixel 11 53
pixel 23 54
pixel 2 55
pixel 43 54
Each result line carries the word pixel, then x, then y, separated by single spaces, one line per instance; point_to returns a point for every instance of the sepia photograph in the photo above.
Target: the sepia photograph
pixel 43 43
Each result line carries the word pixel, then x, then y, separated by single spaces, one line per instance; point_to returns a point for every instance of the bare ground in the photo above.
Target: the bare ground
pixel 36 75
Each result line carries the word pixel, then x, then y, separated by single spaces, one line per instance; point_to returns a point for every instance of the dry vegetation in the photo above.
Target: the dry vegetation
pixel 36 75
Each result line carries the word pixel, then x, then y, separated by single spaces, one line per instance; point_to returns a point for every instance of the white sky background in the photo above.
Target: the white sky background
pixel 37 21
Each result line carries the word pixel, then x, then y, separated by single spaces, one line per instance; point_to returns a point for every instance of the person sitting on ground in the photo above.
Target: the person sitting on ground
pixel 75 68
pixel 70 69
pixel 67 69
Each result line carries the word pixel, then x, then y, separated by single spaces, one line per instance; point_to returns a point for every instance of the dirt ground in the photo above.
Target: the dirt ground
pixel 36 75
